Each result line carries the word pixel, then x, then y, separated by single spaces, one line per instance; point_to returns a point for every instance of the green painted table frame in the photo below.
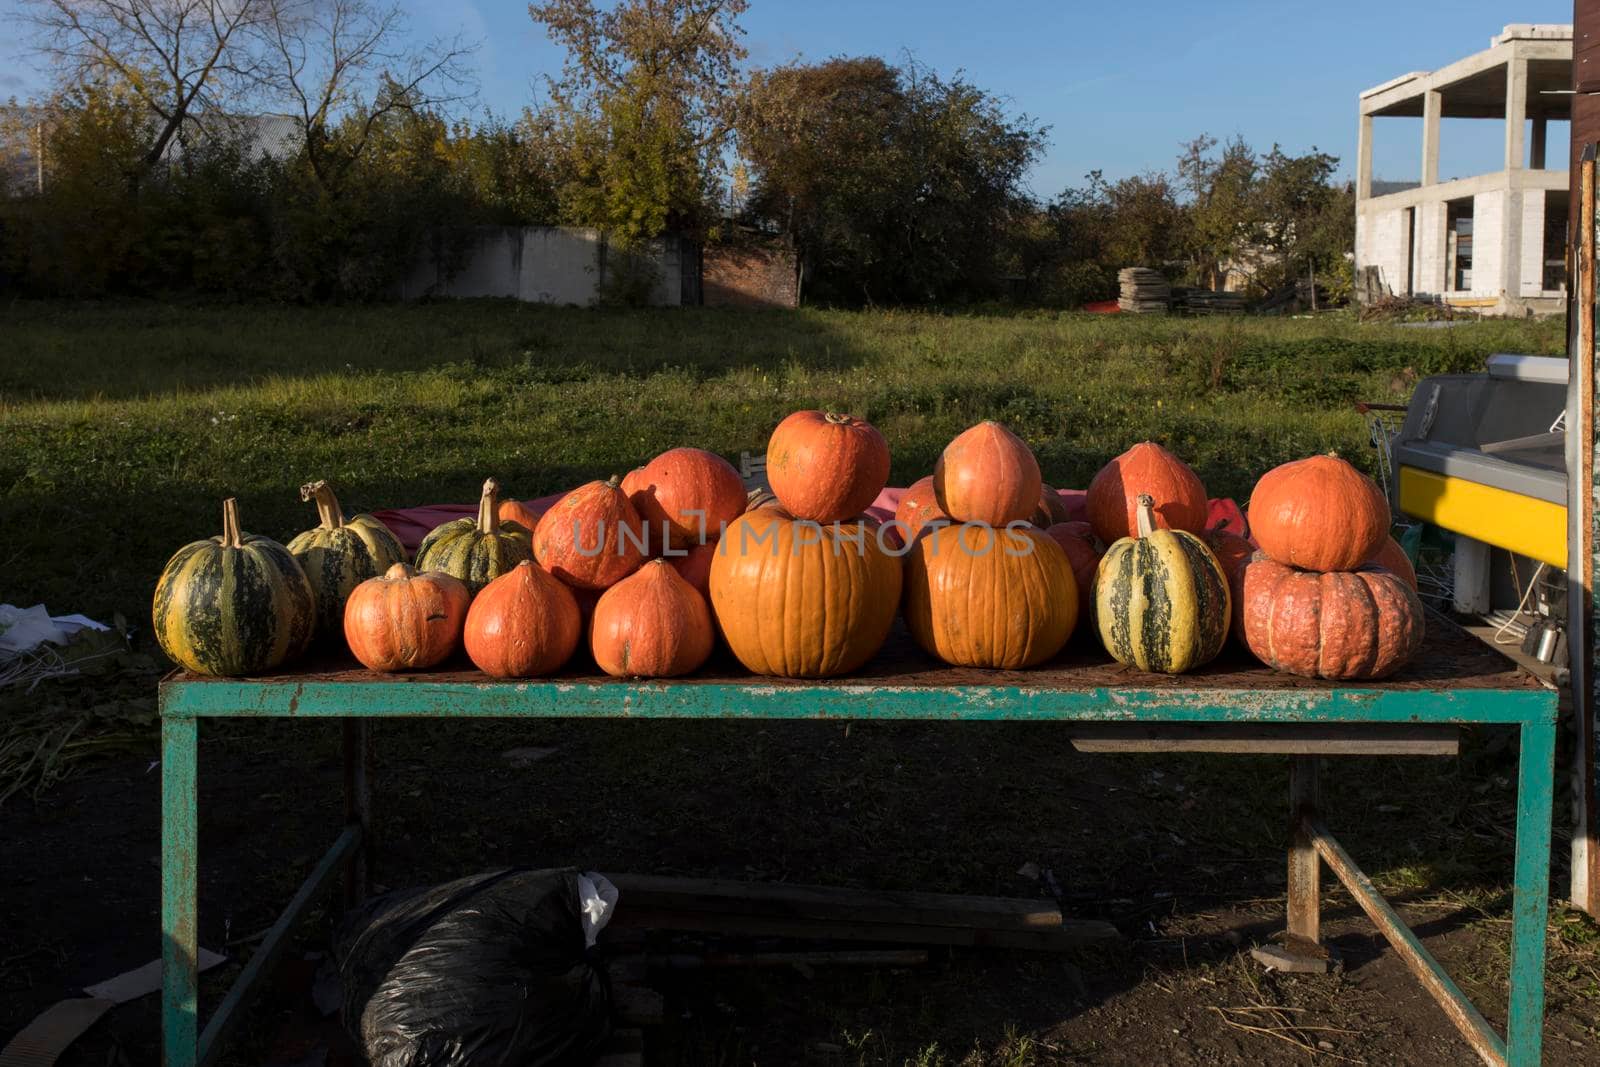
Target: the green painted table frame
pixel 1532 711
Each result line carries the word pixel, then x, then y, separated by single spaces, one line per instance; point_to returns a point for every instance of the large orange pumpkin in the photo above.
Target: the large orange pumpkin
pixel 800 599
pixel 1319 514
pixel 592 538
pixel 1083 554
pixel 988 474
pixel 652 624
pixel 694 566
pixel 1146 469
pixel 977 596
pixel 405 620
pixel 826 467
pixel 523 624
pixel 1337 625
pixel 1391 557
pixel 918 506
pixel 689 492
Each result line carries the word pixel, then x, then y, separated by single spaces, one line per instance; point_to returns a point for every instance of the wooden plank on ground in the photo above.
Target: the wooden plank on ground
pixel 1071 934
pixel 1269 739
pixel 659 893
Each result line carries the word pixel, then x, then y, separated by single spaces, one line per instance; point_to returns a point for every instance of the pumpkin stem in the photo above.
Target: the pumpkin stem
pixel 400 571
pixel 489 507
pixel 232 536
pixel 1145 515
pixel 614 481
pixel 838 419
pixel 327 504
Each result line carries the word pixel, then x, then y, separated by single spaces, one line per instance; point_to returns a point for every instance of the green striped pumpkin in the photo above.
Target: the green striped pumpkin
pixel 235 604
pixel 340 554
pixel 1161 599
pixel 477 550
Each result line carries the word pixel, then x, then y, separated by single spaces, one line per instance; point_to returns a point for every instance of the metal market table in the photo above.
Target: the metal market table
pixel 1231 706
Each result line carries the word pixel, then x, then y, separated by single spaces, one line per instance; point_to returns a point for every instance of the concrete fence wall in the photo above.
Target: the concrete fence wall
pixel 547 265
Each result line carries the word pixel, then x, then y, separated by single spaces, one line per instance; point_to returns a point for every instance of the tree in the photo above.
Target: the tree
pixel 1223 210
pixel 1308 222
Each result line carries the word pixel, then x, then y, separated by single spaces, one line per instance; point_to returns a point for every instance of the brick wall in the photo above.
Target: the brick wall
pixel 749 274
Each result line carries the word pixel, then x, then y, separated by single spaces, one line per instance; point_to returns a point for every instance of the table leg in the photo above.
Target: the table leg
pixel 1530 902
pixel 180 938
pixel 1302 949
pixel 357 810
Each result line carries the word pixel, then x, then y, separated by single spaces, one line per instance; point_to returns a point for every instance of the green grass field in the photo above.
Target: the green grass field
pixel 125 425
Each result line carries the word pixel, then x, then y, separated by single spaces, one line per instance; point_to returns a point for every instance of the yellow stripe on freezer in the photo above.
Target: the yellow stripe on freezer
pixel 1523 524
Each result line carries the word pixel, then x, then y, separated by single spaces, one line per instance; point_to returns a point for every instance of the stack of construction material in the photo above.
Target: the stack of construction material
pixel 1211 301
pixel 1143 290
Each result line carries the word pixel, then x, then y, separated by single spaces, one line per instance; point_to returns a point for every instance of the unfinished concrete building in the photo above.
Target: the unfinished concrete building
pixel 1495 241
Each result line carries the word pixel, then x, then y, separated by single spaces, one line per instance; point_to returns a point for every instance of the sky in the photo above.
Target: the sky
pixel 1121 86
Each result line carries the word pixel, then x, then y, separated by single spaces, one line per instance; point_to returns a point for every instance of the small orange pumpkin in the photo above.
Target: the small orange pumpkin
pixel 1319 514
pixel 1337 624
pixel 989 475
pixel 918 506
pixel 592 538
pixel 691 493
pixel 523 624
pixel 405 620
pixel 1083 553
pixel 1051 510
pixel 1146 469
pixel 826 467
pixel 694 566
pixel 1391 557
pixel 518 512
pixel 977 596
pixel 652 624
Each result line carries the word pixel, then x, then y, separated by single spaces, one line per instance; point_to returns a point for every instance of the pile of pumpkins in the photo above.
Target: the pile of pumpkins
pixel 652 569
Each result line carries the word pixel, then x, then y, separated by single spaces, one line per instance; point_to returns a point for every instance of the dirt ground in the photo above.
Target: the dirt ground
pixel 1183 853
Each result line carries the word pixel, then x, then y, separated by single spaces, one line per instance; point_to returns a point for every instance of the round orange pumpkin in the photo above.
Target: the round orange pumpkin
pixel 652 624
pixel 918 506
pixel 592 538
pixel 988 474
pixel 1346 625
pixel 691 493
pixel 1083 553
pixel 694 566
pixel 1318 514
pixel 977 596
pixel 518 512
pixel 1391 557
pixel 1146 469
pixel 523 624
pixel 826 467
pixel 801 599
pixel 405 620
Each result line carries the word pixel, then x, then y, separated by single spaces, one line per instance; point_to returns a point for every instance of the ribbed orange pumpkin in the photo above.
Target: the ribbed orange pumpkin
pixel 1146 469
pixel 1051 510
pixel 826 467
pixel 652 624
pixel 1083 553
pixel 592 538
pixel 690 492
pixel 518 512
pixel 523 624
pixel 1391 557
pixel 918 506
pixel 405 620
pixel 1318 514
pixel 1336 625
pixel 987 474
pixel 695 566
pixel 800 599
pixel 977 596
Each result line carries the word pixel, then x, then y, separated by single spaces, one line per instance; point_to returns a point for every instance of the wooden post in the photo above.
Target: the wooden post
pixel 1582 490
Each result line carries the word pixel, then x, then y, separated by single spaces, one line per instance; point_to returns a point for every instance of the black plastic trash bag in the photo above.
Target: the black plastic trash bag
pixel 494 969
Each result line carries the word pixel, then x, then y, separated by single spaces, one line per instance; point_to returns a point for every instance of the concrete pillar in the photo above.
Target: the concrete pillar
pixel 1536 147
pixel 1516 109
pixel 1364 158
pixel 1432 104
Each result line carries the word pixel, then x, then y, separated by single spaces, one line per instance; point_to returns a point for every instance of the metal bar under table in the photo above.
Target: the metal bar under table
pixel 1453 683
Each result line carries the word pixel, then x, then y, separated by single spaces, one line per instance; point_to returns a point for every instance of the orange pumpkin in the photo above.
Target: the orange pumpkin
pixel 592 538
pixel 689 492
pixel 918 506
pixel 800 599
pixel 1051 510
pixel 1337 625
pixel 523 624
pixel 1146 469
pixel 977 596
pixel 826 467
pixel 1234 553
pixel 1391 557
pixel 652 624
pixel 695 566
pixel 1083 554
pixel 1319 514
pixel 405 620
pixel 518 512
pixel 987 474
